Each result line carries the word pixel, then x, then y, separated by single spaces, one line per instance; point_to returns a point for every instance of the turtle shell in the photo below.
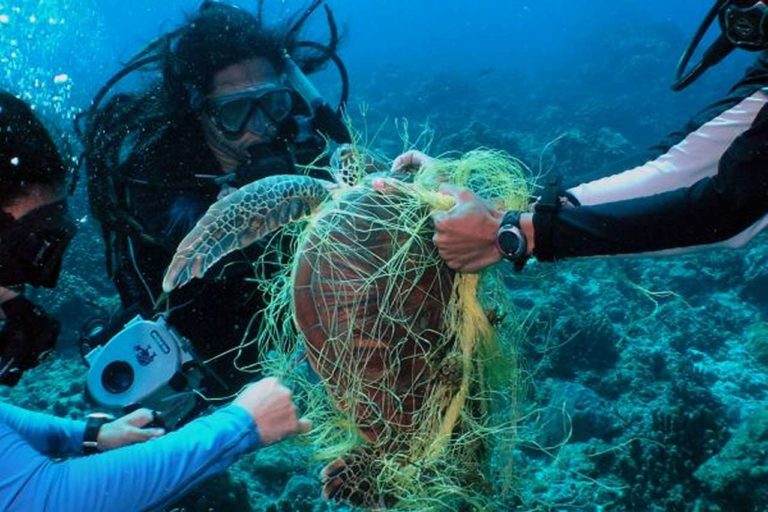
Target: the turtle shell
pixel 370 293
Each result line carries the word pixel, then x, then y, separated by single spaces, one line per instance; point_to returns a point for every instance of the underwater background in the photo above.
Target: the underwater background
pixel 650 375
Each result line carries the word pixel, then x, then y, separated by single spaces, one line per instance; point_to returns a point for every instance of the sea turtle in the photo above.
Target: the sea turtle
pixel 378 311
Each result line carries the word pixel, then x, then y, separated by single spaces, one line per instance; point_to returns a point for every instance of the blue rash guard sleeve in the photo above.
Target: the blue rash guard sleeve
pixel 146 476
pixel 49 435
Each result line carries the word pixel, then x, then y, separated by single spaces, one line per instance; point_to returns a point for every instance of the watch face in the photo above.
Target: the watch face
pixel 509 242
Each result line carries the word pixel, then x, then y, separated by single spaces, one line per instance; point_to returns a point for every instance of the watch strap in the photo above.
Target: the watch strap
pixel 93 424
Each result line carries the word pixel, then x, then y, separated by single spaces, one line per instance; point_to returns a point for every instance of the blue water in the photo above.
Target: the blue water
pixel 671 357
pixel 522 42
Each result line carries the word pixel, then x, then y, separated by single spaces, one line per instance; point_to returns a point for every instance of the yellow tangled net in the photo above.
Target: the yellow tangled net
pixel 409 383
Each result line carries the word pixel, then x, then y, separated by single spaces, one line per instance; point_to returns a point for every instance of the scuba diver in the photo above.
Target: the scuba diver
pixel 35 230
pixel 705 185
pixel 102 463
pixel 233 104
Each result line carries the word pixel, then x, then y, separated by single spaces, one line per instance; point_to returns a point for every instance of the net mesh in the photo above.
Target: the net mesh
pixel 410 385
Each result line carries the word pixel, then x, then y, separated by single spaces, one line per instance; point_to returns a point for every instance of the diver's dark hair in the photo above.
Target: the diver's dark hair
pixel 28 155
pixel 220 35
pixel 159 128
pixel 217 37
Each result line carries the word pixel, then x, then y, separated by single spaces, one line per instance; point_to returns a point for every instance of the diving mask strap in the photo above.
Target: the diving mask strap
pixel 196 98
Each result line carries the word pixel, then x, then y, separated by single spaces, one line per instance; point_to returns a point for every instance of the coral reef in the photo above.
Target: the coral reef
pixel 733 473
pixel 647 378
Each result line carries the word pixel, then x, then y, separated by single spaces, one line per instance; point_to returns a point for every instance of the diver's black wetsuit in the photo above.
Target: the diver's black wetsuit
pixel 166 198
pixel 705 184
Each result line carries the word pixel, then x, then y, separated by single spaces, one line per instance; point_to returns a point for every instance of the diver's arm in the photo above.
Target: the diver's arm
pixel 691 153
pixel 730 207
pixel 696 157
pixel 47 434
pixel 675 202
pixel 145 476
pixel 727 209
pixel 754 79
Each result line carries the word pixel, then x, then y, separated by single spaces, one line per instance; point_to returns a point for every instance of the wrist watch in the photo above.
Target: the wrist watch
pixel 93 424
pixel 510 240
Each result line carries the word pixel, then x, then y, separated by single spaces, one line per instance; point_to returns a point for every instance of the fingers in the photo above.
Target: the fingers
pixel 456 257
pixel 461 194
pixel 411 159
pixel 139 435
pixel 272 407
pixel 383 185
pixel 267 382
pixel 126 435
pixel 465 235
pixel 438 219
pixel 451 260
pixel 461 263
pixel 404 160
pixel 448 189
pixel 225 191
pixel 139 417
pixel 459 256
pixel 304 426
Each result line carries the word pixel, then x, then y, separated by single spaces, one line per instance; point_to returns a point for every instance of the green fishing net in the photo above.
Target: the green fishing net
pixel 410 385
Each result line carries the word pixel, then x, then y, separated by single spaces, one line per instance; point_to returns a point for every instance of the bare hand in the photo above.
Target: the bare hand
pixel 271 406
pixel 465 236
pixel 411 161
pixel 225 191
pixel 127 430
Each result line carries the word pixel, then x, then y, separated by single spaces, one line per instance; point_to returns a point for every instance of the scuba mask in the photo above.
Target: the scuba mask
pixel 269 109
pixel 294 118
pixel 743 24
pixel 32 247
pixel 259 110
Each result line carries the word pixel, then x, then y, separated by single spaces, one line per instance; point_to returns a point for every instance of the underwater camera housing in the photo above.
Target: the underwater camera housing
pixel 146 364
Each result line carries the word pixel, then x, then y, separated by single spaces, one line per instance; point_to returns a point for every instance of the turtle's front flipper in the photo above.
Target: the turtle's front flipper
pixel 242 218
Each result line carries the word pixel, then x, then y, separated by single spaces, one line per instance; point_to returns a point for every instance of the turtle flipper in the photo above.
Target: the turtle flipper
pixel 240 219
pixel 353 479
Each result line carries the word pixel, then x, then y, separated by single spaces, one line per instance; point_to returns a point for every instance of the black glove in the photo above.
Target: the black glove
pixel 27 335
